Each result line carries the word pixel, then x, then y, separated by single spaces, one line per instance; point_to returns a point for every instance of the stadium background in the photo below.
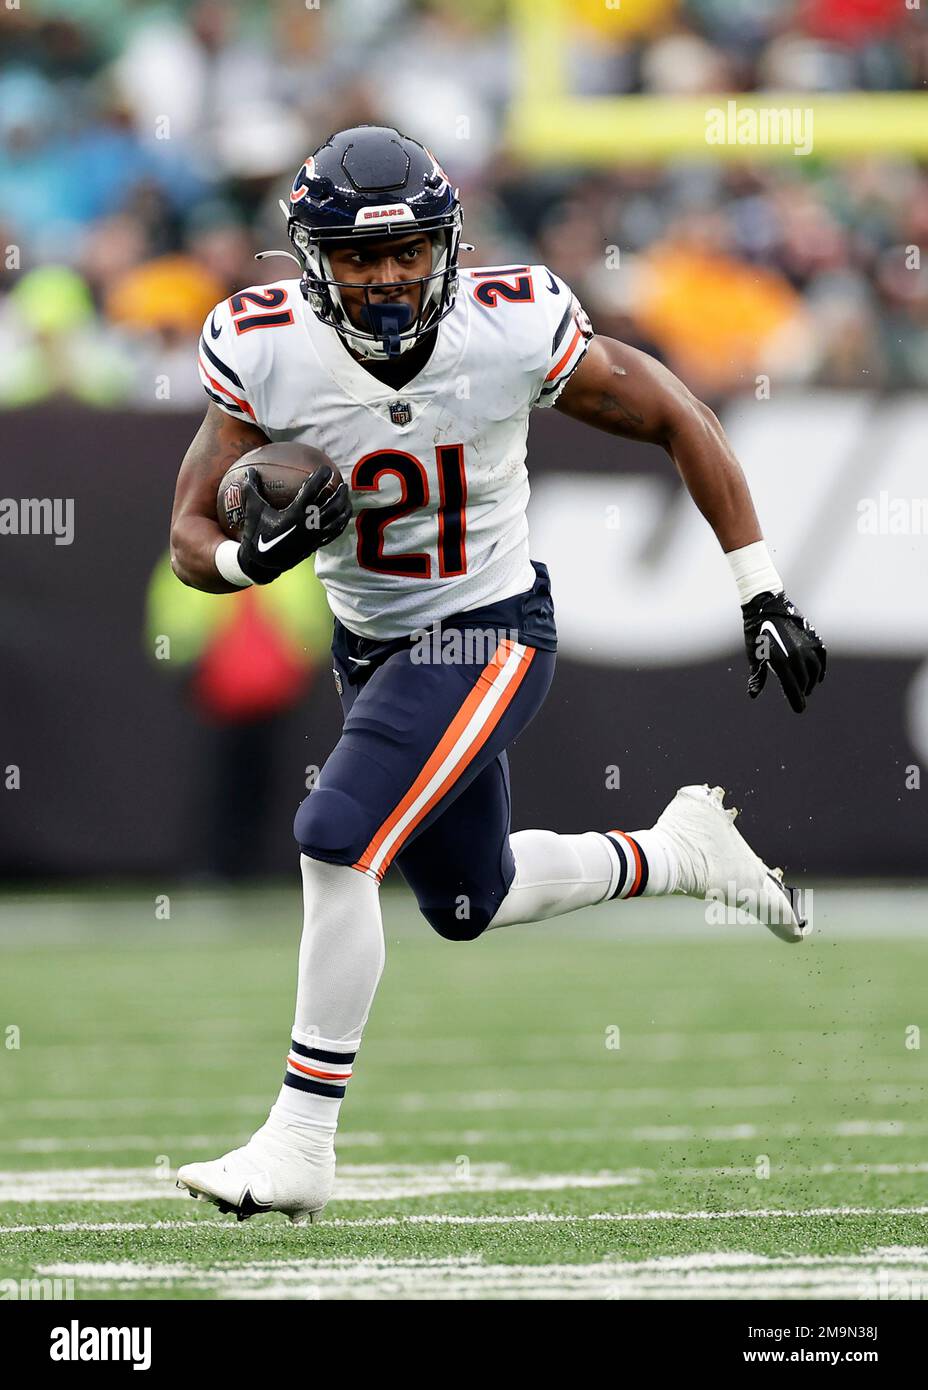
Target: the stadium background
pixel 142 153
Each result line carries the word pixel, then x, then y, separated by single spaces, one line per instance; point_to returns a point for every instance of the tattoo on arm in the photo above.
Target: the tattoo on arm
pixel 609 404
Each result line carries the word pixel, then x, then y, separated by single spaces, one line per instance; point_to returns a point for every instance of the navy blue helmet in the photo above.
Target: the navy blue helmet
pixel 371 181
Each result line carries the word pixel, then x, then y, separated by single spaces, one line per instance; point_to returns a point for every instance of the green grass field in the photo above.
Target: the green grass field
pixel 759 1131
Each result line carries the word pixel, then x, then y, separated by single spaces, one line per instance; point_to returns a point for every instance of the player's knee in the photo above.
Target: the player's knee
pixel 460 919
pixel 331 824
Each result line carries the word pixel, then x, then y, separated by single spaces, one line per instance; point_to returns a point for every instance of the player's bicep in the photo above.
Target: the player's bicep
pixel 218 443
pixel 624 391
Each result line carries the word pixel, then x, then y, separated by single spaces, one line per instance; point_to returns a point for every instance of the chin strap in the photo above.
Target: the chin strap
pixel 387 322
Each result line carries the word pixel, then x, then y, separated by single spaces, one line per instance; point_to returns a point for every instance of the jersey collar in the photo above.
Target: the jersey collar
pixel 365 389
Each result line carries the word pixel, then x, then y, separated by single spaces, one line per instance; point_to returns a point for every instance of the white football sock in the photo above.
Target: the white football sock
pixel 556 874
pixel 652 858
pixel 341 960
pixel 560 873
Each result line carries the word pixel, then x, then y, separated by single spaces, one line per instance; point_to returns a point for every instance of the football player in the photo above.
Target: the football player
pixel 418 378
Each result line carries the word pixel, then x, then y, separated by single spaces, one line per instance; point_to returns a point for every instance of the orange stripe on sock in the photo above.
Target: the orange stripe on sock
pixel 637 856
pixel 324 1075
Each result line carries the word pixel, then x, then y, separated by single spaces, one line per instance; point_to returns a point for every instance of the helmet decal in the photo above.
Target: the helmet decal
pixel 436 167
pixel 301 182
pixel 391 212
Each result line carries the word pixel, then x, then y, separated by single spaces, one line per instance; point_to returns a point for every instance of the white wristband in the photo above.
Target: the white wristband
pixel 225 558
pixel 754 571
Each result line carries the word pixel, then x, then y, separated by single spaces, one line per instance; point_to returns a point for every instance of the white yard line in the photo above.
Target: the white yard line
pixel 895 1272
pixel 738 1214
pixel 642 1097
pixel 158 1143
pixel 391 1182
pixel 364 1183
pixel 121 1107
pixel 104 1227
pixel 371 1139
pixel 611 1097
pixel 530 1218
pixel 880 1170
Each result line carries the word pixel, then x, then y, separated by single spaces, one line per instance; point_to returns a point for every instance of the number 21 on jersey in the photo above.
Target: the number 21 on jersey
pixel 372 522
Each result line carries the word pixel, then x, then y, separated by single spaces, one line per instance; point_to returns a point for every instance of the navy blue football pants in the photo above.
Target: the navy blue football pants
pixel 420 777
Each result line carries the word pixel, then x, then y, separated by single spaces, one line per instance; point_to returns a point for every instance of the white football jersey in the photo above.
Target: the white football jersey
pixel 437 467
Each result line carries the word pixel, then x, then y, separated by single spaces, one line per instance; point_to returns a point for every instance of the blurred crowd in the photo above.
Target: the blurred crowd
pixel 144 147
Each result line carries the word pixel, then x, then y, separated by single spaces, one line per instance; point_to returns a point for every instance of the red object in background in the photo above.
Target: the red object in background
pixel 851 21
pixel 249 670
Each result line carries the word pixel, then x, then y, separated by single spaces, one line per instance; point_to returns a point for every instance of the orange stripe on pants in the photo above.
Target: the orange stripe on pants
pixel 487 680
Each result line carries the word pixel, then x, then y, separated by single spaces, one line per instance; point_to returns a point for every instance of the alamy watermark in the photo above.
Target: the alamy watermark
pixel 892 1285
pixel 737 907
pixel 473 646
pixel 761 125
pixel 35 1290
pixel 892 516
pixel 38 516
pixel 77 1342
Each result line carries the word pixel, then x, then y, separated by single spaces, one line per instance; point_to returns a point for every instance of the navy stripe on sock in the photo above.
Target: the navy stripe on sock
pixel 623 865
pixel 316 1088
pixel 317 1054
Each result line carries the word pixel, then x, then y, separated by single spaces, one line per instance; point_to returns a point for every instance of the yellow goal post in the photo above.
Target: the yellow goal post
pixel 548 125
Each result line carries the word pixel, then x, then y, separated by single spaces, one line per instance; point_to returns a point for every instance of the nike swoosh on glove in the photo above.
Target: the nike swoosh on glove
pixel 274 541
pixel 777 637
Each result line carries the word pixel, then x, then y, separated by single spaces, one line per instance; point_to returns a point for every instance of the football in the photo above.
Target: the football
pixel 282 470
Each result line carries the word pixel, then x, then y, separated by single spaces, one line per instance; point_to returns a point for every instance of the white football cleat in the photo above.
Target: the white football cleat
pixel 717 863
pixel 281 1168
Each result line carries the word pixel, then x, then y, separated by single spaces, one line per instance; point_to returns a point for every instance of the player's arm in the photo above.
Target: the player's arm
pixel 273 539
pixel 195 532
pixel 623 391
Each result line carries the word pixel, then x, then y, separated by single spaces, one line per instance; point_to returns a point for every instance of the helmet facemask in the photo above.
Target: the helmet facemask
pixel 392 328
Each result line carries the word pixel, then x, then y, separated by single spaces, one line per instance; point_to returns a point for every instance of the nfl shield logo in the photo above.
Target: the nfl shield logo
pixel 401 412
pixel 338 681
pixel 235 512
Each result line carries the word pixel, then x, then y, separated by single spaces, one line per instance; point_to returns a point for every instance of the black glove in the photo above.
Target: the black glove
pixel 778 637
pixel 274 541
